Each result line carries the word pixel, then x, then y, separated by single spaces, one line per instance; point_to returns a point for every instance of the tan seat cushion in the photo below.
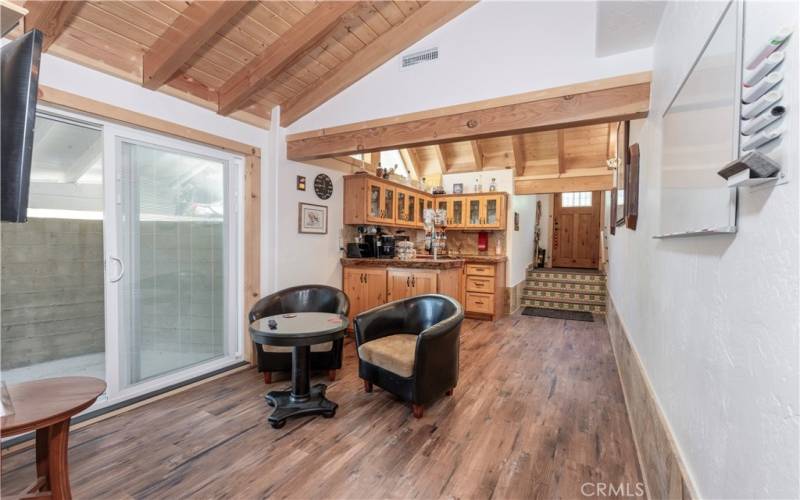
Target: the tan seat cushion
pixel 323 347
pixel 394 353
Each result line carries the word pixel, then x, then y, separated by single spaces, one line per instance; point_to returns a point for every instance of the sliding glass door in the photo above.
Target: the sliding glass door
pixel 129 268
pixel 174 227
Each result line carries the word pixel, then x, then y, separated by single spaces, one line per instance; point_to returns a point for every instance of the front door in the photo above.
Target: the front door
pixel 576 229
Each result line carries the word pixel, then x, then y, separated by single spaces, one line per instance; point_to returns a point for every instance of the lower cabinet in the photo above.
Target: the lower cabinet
pixel 365 287
pixel 484 290
pixel 368 287
pixel 402 283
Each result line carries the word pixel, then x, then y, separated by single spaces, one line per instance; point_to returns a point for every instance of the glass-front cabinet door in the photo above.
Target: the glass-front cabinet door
pixel 375 209
pixel 457 212
pixel 402 206
pixel 421 202
pixel 491 211
pixel 388 204
pixel 412 203
pixel 473 212
pixel 442 205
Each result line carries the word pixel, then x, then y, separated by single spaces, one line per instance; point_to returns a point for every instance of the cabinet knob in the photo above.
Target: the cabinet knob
pixel 413 281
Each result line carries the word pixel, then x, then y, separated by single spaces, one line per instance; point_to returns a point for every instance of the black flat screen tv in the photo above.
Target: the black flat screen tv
pixel 19 85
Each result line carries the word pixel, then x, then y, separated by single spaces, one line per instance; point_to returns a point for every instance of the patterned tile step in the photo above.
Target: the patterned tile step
pixel 547 304
pixel 565 286
pixel 584 298
pixel 568 278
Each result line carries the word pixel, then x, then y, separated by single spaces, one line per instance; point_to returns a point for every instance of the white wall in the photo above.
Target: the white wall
pixel 288 257
pixel 496 48
pixel 521 241
pixel 714 319
pixel 70 77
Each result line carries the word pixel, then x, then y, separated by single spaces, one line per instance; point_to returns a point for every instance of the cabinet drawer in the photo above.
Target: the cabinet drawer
pixel 480 303
pixel 480 270
pixel 480 284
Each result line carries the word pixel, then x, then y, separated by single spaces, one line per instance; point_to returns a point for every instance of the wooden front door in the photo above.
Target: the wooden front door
pixel 576 229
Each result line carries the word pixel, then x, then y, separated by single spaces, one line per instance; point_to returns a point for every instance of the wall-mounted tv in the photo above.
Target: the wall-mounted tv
pixel 19 84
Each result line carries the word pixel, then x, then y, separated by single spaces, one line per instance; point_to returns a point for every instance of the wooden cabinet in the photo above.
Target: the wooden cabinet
pixel 365 287
pixel 382 202
pixel 402 283
pixel 409 208
pixel 455 209
pixel 370 200
pixel 486 211
pixel 484 289
pixel 368 287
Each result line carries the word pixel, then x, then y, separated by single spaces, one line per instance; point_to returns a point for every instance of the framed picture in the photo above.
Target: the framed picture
pixel 632 188
pixel 313 219
pixel 458 188
pixel 623 159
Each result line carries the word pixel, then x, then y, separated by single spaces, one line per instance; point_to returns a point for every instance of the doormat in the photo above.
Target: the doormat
pixel 558 314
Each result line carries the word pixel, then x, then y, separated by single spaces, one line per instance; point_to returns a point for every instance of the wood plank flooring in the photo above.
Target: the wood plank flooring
pixel 538 412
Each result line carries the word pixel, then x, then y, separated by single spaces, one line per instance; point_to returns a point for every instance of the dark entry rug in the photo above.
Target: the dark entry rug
pixel 558 314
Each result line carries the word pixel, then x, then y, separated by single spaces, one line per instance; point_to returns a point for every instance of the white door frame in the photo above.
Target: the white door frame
pixel 112 133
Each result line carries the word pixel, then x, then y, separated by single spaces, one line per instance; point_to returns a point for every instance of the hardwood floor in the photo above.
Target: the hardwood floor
pixel 538 412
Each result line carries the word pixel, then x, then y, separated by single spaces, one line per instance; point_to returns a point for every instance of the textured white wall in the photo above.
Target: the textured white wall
pixel 714 319
pixel 288 257
pixel 70 77
pixel 494 49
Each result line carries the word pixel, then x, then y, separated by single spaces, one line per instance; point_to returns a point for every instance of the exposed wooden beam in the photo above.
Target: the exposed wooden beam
pixel 569 110
pixel 422 22
pixel 50 17
pixel 441 158
pixel 519 154
pixel 292 44
pixel 560 184
pixel 562 159
pixel 193 28
pixel 10 14
pixel 495 102
pixel 477 154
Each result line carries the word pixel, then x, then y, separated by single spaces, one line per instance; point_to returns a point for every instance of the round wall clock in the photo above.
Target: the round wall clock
pixel 323 186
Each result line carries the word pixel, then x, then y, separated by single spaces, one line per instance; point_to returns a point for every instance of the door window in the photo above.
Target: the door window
pixel 577 199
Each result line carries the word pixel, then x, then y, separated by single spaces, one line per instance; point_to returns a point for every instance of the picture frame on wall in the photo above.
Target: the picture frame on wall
pixel 623 159
pixel 632 188
pixel 312 219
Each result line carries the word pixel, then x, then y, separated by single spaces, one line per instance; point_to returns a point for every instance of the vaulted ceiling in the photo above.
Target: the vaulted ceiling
pixel 239 58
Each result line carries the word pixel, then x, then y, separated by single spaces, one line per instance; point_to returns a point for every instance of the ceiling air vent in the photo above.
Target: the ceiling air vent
pixel 423 56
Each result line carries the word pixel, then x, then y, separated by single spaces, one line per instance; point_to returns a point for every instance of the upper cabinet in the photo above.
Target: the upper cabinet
pixel 369 200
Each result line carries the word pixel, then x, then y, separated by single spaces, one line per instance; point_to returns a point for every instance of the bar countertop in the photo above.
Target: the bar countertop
pixel 426 262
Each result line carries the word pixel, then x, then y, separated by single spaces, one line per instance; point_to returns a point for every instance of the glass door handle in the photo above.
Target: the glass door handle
pixel 121 269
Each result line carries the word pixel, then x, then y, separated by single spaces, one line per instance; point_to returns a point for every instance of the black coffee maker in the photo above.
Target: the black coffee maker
pixel 386 246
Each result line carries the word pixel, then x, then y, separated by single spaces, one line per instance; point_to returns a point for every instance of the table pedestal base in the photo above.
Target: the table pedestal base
pixel 287 406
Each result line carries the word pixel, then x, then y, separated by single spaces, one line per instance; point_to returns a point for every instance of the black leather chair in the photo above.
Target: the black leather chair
pixel 409 347
pixel 306 298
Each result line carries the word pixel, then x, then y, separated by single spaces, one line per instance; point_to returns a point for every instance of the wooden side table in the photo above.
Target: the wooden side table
pixel 46 406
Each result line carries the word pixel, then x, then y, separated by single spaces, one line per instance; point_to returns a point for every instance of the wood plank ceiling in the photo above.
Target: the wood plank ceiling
pixel 239 58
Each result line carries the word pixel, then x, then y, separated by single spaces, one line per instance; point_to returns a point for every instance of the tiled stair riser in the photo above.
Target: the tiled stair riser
pixel 568 306
pixel 569 296
pixel 562 286
pixel 568 277
pixel 565 290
